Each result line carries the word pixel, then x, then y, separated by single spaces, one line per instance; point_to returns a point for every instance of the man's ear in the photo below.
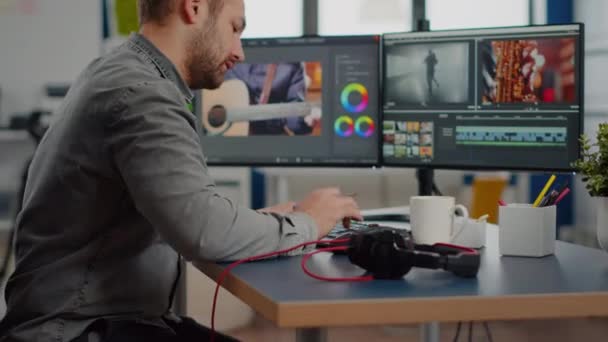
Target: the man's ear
pixel 192 10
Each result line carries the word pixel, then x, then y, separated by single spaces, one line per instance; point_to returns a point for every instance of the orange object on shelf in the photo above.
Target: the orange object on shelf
pixel 485 195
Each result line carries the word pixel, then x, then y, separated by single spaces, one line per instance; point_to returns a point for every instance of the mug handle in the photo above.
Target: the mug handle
pixel 463 210
pixel 465 215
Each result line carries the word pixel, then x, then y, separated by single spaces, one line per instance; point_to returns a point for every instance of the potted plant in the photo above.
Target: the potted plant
pixel 593 165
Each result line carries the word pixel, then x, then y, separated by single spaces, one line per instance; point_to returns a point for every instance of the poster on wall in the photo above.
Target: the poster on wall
pixel 119 21
pixel 21 7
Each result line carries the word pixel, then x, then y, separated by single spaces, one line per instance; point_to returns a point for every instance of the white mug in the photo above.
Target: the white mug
pixel 473 232
pixel 432 218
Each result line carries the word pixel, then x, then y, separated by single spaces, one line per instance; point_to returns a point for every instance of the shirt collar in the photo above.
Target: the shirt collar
pixel 162 63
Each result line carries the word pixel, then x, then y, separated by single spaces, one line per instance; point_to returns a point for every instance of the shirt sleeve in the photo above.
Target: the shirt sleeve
pixel 153 142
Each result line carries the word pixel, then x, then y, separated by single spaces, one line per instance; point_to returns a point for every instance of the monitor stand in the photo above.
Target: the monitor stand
pixel 431 331
pixel 426 183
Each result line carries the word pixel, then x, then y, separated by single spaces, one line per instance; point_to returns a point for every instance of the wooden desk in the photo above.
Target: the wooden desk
pixel 571 283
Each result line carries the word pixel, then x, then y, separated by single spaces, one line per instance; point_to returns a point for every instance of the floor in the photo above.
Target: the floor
pixel 588 329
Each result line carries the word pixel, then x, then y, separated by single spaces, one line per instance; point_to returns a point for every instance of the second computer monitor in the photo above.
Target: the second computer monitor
pixel 296 101
pixel 506 98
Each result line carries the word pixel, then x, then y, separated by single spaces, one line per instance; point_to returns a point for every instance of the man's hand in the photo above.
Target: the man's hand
pixel 328 206
pixel 281 209
pixel 314 117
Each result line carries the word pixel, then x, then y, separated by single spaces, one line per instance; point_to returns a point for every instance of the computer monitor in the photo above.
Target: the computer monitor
pixel 296 101
pixel 503 98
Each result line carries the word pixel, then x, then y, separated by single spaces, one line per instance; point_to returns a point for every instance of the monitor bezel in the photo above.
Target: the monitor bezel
pixel 377 163
pixel 495 167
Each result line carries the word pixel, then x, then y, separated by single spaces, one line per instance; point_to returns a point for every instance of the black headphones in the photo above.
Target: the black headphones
pixel 389 253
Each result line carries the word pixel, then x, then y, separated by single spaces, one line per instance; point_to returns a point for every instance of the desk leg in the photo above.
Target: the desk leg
pixel 311 335
pixel 429 332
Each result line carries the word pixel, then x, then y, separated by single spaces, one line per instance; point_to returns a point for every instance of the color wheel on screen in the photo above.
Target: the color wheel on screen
pixel 365 126
pixel 344 126
pixel 346 98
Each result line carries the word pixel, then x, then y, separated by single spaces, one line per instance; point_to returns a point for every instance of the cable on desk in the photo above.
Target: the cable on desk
pixel 471 331
pixel 330 249
pixel 226 271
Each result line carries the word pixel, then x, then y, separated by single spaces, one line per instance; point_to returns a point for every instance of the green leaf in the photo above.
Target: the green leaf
pixel 593 164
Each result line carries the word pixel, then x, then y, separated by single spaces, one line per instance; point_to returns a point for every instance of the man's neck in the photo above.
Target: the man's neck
pixel 166 39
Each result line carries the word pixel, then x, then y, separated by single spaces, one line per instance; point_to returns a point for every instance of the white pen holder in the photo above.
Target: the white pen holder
pixel 472 232
pixel 526 231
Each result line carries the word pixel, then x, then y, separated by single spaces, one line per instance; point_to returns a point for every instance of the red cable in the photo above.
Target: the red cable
pixel 458 247
pixel 330 249
pixel 227 270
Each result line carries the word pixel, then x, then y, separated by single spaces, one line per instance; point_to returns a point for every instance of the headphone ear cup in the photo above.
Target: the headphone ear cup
pixel 464 265
pixel 381 255
pixel 378 254
pixel 359 252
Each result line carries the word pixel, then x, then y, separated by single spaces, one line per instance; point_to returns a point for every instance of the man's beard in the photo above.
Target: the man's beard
pixel 205 59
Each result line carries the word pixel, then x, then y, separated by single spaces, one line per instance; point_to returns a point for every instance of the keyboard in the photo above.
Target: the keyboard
pixel 355 226
pixel 405 218
pixel 340 231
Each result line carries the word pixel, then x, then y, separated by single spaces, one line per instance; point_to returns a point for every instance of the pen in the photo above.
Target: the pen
pixel 562 195
pixel 545 200
pixel 553 194
pixel 549 199
pixel 542 193
pixel 559 191
pixel 501 203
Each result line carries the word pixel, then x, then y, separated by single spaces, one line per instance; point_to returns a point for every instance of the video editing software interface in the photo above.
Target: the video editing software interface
pixel 296 101
pixel 493 98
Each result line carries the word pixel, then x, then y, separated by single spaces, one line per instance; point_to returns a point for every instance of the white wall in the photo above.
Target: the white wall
pixel 594 14
pixel 41 41
pixel 51 43
pixel 375 188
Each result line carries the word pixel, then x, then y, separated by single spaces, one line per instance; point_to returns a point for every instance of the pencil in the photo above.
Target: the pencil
pixel 562 195
pixel 542 193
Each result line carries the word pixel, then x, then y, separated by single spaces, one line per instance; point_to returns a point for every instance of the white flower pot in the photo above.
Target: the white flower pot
pixel 602 222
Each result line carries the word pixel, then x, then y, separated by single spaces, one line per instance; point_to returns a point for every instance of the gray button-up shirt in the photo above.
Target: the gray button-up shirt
pixel 117 190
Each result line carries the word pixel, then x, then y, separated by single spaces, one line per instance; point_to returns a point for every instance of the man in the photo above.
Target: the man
pixel 287 85
pixel 119 188
pixel 431 62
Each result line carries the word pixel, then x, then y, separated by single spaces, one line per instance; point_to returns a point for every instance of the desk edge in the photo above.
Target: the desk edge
pixel 298 314
pixel 239 288
pixel 442 309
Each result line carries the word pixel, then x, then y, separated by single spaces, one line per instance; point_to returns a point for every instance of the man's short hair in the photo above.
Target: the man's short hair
pixel 158 10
